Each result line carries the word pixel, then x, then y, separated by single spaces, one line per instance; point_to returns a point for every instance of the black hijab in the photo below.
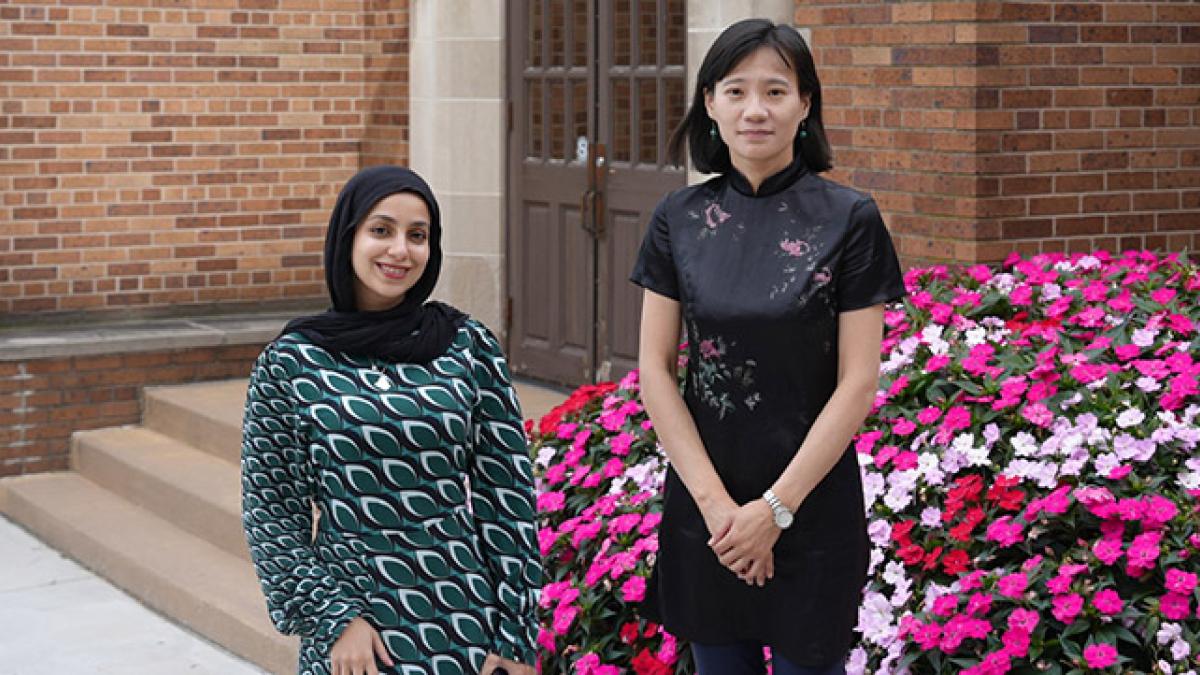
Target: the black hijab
pixel 413 331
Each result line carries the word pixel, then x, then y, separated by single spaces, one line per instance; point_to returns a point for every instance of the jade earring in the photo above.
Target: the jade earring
pixel 712 131
pixel 803 133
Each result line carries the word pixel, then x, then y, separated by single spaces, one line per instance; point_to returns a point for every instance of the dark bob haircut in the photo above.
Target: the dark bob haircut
pixel 711 155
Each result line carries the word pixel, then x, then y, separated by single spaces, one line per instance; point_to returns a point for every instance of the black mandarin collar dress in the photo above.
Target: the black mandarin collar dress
pixel 761 278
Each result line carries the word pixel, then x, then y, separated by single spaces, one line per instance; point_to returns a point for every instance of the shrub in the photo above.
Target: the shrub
pixel 1030 470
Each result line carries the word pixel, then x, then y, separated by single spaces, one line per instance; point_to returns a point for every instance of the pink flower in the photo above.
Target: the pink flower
pixel 1004 531
pixel 904 427
pixel 1108 602
pixel 945 605
pixel 936 363
pixel 1023 620
pixel 634 589
pixel 1175 606
pixel 1107 551
pixel 624 523
pixel 545 640
pixel 621 442
pixel 1037 414
pixel 927 635
pixel 1067 607
pixel 1013 585
pixel 1158 512
pixel 546 538
pixel 613 468
pixel 564 616
pixel 1143 552
pixel 1179 581
pixel 549 502
pixel 1016 642
pixel 978 604
pixel 1100 655
pixel 929 415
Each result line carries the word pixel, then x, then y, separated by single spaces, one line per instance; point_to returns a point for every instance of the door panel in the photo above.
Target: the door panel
pixel 586 76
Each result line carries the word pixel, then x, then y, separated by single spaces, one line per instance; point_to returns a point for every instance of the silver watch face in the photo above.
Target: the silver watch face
pixel 783 518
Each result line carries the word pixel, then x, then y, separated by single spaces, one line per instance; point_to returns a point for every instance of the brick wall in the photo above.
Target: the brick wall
pixel 155 156
pixel 987 127
pixel 42 401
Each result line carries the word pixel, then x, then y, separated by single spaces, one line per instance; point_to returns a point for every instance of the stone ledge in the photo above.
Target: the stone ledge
pixel 140 336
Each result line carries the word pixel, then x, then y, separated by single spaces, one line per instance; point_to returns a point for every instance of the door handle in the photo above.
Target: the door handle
pixel 587 202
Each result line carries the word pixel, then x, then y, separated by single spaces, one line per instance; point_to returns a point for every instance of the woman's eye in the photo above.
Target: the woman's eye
pixel 733 91
pixel 379 230
pixel 419 235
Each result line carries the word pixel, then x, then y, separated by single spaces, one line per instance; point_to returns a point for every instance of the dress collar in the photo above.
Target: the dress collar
pixel 774 183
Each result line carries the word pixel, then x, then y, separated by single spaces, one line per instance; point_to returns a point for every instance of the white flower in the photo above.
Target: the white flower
pixel 875 619
pixel 1071 401
pixel 1106 463
pixel 1087 263
pixel 1130 417
pixel 857 663
pixel 1144 337
pixel 902 595
pixel 1164 667
pixel 893 573
pixel 897 498
pixel 931 517
pixel 1180 649
pixel 876 558
pixel 1190 481
pixel 872 486
pixel 1148 384
pixel 1168 632
pixel 975 336
pixel 927 464
pixel 880 532
pixel 1024 445
pixel 1051 292
pixel 545 454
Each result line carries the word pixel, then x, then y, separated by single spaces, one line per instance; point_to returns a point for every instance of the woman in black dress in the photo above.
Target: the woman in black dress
pixel 780 277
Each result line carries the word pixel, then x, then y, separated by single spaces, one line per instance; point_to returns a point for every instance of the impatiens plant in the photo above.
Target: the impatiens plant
pixel 1030 469
pixel 599 478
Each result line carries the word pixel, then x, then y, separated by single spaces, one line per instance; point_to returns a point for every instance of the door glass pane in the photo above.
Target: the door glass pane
pixel 558 120
pixel 648 121
pixel 536 38
pixel 676 96
pixel 647 31
pixel 579 33
pixel 620 31
pixel 579 116
pixel 676 25
pixel 536 123
pixel 621 111
pixel 558 30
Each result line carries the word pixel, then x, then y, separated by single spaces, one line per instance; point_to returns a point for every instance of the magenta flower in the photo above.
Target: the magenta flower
pixel 1023 620
pixel 1179 581
pixel 1067 607
pixel 1108 602
pixel 550 501
pixel 634 589
pixel 1107 550
pixel 929 415
pixel 1004 531
pixel 1100 655
pixel 1037 414
pixel 1013 585
pixel 1175 606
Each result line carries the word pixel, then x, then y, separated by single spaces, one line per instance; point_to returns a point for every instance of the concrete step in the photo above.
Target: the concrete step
pixel 206 416
pixel 196 491
pixel 190 580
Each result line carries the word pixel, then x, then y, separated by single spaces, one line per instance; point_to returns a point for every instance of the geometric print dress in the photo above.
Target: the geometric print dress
pixel 423 484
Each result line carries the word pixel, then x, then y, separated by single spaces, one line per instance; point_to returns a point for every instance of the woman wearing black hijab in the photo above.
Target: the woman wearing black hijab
pixel 395 418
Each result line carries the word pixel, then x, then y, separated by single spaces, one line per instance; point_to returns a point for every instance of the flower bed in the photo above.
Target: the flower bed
pixel 1030 469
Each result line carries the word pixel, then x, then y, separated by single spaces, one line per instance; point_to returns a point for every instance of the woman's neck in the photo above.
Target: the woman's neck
pixel 757 172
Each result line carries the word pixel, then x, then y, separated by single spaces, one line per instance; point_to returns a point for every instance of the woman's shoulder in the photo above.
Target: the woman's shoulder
pixel 832 190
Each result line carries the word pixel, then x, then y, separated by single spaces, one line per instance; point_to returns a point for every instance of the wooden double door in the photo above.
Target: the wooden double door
pixel 595 89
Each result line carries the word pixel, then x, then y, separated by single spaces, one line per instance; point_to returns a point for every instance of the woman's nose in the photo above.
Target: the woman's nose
pixel 398 248
pixel 755 108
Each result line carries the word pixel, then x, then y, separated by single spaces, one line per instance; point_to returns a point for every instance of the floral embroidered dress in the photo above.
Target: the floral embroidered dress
pixel 761 278
pixel 424 486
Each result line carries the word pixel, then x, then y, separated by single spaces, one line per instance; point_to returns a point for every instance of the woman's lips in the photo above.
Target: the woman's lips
pixel 391 271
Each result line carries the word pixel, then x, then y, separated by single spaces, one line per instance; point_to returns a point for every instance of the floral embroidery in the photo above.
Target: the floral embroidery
pixel 799 256
pixel 714 217
pixel 720 382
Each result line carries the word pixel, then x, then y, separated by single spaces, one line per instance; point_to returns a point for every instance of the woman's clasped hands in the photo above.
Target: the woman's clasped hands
pixel 743 538
pixel 356 650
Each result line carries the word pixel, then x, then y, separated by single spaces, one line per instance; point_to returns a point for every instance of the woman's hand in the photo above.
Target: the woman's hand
pixel 718 516
pixel 355 650
pixel 746 547
pixel 493 661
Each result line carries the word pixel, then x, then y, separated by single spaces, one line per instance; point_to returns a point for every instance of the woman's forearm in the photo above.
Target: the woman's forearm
pixel 679 437
pixel 825 443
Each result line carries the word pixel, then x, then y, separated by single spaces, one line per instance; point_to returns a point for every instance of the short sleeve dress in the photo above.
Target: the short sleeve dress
pixel 761 278
pixel 425 492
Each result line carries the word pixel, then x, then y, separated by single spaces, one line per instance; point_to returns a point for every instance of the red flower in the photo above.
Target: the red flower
pixel 629 632
pixel 901 530
pixel 955 562
pixel 911 554
pixel 931 558
pixel 646 663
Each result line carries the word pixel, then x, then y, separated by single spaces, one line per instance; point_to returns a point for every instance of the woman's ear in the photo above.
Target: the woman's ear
pixel 708 102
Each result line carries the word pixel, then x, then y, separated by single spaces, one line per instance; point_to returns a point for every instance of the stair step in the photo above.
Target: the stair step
pixel 190 580
pixel 198 492
pixel 207 416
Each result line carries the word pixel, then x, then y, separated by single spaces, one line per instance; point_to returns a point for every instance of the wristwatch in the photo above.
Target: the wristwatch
pixel 783 517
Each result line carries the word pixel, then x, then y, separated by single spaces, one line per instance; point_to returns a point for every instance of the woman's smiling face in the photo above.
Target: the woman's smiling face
pixel 758 107
pixel 390 251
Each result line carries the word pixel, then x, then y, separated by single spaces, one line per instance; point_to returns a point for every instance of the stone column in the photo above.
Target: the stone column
pixel 456 104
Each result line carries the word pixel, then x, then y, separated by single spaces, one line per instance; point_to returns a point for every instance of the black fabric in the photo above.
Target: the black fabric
pixel 761 278
pixel 412 332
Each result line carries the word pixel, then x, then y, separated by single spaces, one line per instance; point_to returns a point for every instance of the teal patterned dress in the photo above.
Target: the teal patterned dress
pixel 423 483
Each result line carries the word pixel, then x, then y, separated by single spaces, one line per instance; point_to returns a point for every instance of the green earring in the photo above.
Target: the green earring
pixel 803 130
pixel 712 131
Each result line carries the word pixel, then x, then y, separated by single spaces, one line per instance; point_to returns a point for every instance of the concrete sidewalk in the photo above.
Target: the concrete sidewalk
pixel 58 618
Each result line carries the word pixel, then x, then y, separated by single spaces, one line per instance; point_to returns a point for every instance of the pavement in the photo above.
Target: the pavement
pixel 58 618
